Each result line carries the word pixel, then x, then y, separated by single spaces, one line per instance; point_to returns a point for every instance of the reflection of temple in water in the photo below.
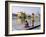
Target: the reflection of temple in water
pixel 20 17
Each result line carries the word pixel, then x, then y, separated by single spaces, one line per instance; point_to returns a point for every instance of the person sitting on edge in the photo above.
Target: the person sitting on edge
pixel 26 24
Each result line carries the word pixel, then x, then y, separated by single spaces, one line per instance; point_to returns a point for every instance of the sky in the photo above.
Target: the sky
pixel 27 10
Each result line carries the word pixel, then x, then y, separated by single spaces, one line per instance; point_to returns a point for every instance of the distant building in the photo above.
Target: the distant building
pixel 18 14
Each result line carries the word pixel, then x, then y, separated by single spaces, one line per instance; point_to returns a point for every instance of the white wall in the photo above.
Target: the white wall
pixel 2 19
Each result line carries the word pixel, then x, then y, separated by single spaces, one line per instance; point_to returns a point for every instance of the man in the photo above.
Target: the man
pixel 32 19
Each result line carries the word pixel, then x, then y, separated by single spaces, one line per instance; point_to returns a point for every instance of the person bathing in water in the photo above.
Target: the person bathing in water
pixel 26 24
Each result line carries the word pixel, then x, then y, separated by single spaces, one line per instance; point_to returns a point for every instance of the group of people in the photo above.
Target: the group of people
pixel 27 24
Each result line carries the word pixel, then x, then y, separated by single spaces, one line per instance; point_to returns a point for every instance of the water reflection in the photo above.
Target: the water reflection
pixel 18 23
